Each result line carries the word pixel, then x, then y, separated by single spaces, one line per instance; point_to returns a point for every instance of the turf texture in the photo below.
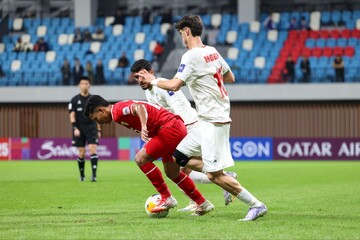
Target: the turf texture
pixel 306 200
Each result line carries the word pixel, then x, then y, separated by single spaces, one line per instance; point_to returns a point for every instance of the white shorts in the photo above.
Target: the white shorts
pixel 211 142
pixel 191 126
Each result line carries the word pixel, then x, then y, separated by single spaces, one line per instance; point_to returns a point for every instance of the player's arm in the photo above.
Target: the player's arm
pixel 72 118
pixel 73 123
pixel 98 126
pixel 171 85
pixel 229 77
pixel 172 99
pixel 71 108
pixel 139 110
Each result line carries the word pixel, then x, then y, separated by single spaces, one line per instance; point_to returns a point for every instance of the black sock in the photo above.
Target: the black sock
pixel 81 164
pixel 94 160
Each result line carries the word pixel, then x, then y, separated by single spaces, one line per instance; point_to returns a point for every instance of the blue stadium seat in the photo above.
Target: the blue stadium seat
pixel 341 42
pixel 346 15
pixel 353 42
pixel 320 42
pixel 331 42
pixel 206 20
pixel 336 17
pixel 296 15
pixel 310 43
pixel 350 24
pixel 46 21
pixel 305 15
pixel 285 17
pixel 67 22
pixel 263 16
pixel 325 18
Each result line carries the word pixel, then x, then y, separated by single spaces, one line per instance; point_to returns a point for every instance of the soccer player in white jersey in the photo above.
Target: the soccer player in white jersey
pixel 177 103
pixel 204 71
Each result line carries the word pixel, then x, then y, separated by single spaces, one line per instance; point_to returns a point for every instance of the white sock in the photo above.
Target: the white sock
pixel 199 177
pixel 248 198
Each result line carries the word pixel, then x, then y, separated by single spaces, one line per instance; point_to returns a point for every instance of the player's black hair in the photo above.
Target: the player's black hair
pixel 141 64
pixel 84 78
pixel 94 102
pixel 193 22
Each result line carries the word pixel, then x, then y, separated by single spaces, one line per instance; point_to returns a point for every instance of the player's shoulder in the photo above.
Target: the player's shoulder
pixel 76 97
pixel 160 91
pixel 120 106
pixel 125 102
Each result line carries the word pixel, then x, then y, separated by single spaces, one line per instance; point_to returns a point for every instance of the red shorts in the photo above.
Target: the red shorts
pixel 165 142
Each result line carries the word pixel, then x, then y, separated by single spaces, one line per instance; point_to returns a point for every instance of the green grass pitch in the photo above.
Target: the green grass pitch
pixel 306 200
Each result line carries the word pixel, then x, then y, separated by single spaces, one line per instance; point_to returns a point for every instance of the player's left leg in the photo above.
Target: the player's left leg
pixel 257 208
pixel 197 177
pixel 94 160
pixel 79 142
pixel 173 172
pixel 168 138
pixel 145 162
pixel 91 134
pixel 216 157
pixel 81 162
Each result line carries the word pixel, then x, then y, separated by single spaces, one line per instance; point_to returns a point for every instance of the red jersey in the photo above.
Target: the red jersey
pixel 157 116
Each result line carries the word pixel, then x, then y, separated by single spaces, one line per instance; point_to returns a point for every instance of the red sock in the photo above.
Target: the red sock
pixel 188 186
pixel 153 173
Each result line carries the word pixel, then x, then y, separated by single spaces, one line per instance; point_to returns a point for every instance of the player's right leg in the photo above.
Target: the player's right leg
pixel 197 177
pixel 167 140
pixel 228 197
pixel 81 163
pixel 215 156
pixel 79 142
pixel 153 173
pixel 93 160
pixel 92 140
pixel 186 185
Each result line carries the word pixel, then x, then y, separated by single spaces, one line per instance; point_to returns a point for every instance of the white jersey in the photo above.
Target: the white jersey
pixel 202 70
pixel 175 102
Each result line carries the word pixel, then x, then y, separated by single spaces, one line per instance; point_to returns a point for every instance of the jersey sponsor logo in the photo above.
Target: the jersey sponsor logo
pixel 126 111
pixel 211 57
pixel 181 68
pixel 170 93
pixel 79 109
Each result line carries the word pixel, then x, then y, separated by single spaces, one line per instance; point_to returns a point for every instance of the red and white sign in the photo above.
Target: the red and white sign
pixel 4 149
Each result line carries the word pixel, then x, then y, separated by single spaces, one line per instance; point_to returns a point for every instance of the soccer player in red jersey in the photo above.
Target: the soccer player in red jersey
pixel 161 131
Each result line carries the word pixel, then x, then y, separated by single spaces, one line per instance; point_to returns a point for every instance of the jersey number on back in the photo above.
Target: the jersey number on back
pixel 220 82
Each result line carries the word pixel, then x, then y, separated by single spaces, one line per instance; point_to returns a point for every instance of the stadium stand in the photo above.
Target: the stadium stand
pixel 255 54
pixel 138 42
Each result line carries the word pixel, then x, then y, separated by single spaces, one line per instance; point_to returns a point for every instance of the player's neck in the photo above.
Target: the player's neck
pixel 196 43
pixel 84 94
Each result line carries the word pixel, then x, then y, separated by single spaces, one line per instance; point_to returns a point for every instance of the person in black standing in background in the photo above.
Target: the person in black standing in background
pixel 66 72
pixel 119 17
pixel 338 65
pixel 305 69
pixel 290 67
pixel 78 71
pixel 85 130
pixel 99 74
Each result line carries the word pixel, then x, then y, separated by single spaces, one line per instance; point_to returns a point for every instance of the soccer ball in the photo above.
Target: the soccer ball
pixel 151 203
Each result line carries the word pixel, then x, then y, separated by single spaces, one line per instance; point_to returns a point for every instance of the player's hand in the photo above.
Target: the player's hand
pixel 144 135
pixel 76 132
pixel 146 75
pixel 99 134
